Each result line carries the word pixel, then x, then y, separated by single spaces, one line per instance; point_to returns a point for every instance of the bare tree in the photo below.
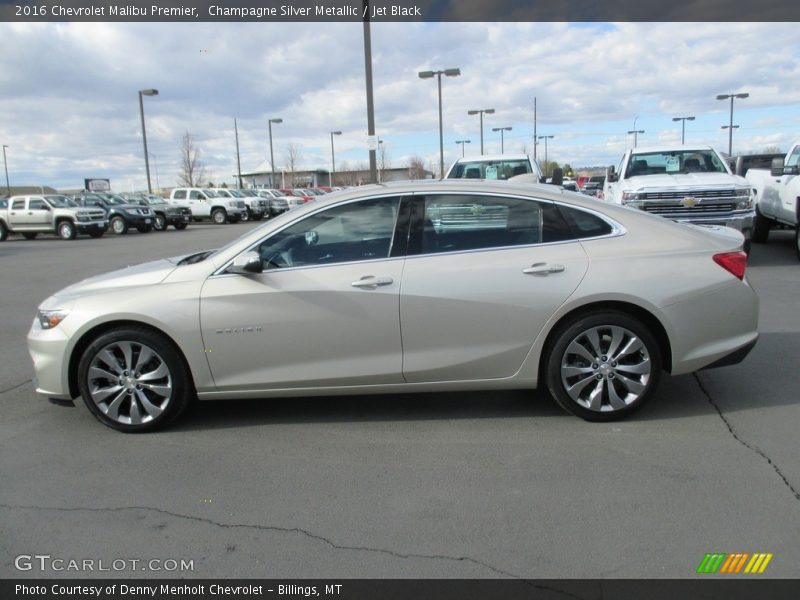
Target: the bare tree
pixel 292 152
pixel 192 168
pixel 416 168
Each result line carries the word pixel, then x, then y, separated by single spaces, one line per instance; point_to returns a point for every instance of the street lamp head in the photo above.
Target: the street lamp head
pixel 690 118
pixel 723 96
pixel 489 111
pixel 473 112
pixel 452 72
pixel 426 74
pixel 729 127
pixel 276 120
pixel 742 95
pixel 149 92
pixel 336 133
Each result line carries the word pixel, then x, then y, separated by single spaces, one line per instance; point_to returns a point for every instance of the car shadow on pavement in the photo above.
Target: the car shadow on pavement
pixel 372 408
pixel 779 251
pixel 760 382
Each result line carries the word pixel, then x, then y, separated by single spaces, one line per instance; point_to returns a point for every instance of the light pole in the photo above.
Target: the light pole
pixel 5 165
pixel 271 156
pixel 683 126
pixel 149 92
pixel 742 95
pixel 545 138
pixel 333 157
pixel 462 142
pixel 635 133
pixel 155 164
pixel 480 111
pixel 501 130
pixel 428 75
pixel 238 161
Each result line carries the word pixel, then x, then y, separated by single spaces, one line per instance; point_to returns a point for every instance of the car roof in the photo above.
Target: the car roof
pixel 492 157
pixel 670 148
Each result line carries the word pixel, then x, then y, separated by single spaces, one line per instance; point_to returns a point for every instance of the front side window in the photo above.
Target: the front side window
pixel 37 204
pixel 453 223
pixel 195 195
pixel 351 232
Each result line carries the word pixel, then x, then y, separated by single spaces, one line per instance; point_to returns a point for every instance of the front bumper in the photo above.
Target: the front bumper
pixel 48 350
pixel 742 221
pixel 178 218
pixel 135 220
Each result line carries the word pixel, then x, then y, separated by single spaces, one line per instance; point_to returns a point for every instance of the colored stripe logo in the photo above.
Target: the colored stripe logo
pixel 734 563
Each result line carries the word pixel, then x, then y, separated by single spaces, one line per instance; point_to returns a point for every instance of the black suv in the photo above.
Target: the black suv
pixel 166 214
pixel 121 213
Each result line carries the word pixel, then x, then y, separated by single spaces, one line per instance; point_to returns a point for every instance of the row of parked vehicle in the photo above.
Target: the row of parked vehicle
pixel 94 213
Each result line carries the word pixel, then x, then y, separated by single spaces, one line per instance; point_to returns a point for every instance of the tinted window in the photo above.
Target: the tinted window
pixel 794 158
pixel 18 204
pixel 584 224
pixel 490 169
pixel 195 195
pixel 453 223
pixel 179 195
pixel 37 204
pixel 352 232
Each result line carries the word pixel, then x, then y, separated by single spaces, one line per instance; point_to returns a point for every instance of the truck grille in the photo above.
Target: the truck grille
pixel 241 204
pixel 672 209
pixel 688 204
pixel 96 215
pixel 680 195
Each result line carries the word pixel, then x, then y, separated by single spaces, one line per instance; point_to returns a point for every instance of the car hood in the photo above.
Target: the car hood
pixel 149 273
pixel 684 181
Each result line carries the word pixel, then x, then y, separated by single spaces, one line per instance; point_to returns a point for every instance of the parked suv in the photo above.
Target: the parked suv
pixel 121 214
pixel 50 213
pixel 166 214
pixel 207 204
pixel 256 207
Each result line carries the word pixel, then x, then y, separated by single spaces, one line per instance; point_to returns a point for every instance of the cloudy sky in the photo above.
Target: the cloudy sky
pixel 70 109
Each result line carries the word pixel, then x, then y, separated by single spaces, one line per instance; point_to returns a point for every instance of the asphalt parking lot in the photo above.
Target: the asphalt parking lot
pixel 475 485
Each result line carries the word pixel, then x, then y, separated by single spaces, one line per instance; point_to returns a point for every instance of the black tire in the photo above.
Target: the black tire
pixel 246 215
pixel 29 235
pixel 118 225
pixel 612 382
pixel 761 228
pixel 122 417
pixel 160 223
pixel 144 228
pixel 97 233
pixel 797 240
pixel 180 226
pixel 3 232
pixel 66 230
pixel 219 216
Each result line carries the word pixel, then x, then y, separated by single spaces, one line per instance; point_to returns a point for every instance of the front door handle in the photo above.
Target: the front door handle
pixel 370 281
pixel 543 269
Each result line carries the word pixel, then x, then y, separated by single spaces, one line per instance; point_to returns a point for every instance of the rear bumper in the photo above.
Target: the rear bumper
pixel 734 358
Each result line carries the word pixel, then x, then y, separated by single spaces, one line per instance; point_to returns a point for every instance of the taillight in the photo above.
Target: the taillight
pixel 733 262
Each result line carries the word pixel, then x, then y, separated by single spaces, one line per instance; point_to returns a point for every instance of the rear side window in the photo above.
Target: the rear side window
pixel 179 195
pixel 583 224
pixel 18 204
pixel 453 223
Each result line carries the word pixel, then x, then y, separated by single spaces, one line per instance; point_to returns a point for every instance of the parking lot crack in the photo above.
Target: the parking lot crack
pixel 299 531
pixel 743 442
pixel 15 387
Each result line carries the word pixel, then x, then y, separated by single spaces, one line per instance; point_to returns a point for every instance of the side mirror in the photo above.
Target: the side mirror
pixel 611 175
pixel 245 263
pixel 312 237
pixel 558 176
pixel 777 168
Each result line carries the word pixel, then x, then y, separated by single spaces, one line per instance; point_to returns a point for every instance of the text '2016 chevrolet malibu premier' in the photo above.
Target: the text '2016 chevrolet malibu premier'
pixel 416 286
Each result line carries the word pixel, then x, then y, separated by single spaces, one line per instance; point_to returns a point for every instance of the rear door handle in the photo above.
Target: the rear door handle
pixel 543 269
pixel 370 281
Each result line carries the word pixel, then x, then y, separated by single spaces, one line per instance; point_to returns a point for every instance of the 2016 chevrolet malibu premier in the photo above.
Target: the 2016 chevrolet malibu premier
pixel 419 286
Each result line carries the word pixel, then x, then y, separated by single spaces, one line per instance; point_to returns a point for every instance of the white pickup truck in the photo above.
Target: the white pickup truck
pixel 207 204
pixel 692 184
pixel 778 196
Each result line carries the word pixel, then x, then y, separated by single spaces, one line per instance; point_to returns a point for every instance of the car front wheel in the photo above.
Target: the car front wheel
pixel 134 380
pixel 761 227
pixel 66 230
pixel 219 216
pixel 603 366
pixel 160 223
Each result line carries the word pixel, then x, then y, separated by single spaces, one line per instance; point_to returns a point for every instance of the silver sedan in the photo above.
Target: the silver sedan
pixel 424 286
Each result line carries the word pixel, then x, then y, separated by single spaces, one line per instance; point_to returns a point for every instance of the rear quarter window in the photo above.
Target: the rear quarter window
pixel 584 224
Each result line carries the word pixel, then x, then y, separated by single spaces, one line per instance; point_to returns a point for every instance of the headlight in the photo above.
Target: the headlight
pixel 83 217
pixel 628 197
pixel 745 197
pixel 51 318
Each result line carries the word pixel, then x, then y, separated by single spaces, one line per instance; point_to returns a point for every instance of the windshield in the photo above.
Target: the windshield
pixel 211 193
pixel 237 194
pixel 672 163
pixel 60 202
pixel 490 169
pixel 155 201
pixel 114 199
pixel 224 193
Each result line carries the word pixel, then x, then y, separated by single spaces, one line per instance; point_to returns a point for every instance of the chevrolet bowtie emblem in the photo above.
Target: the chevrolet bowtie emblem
pixel 689 202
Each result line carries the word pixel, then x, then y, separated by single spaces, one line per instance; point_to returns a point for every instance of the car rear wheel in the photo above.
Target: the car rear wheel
pixel 160 223
pixel 603 366
pixel 118 225
pixel 3 232
pixel 219 216
pixel 30 235
pixel 66 230
pixel 134 380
